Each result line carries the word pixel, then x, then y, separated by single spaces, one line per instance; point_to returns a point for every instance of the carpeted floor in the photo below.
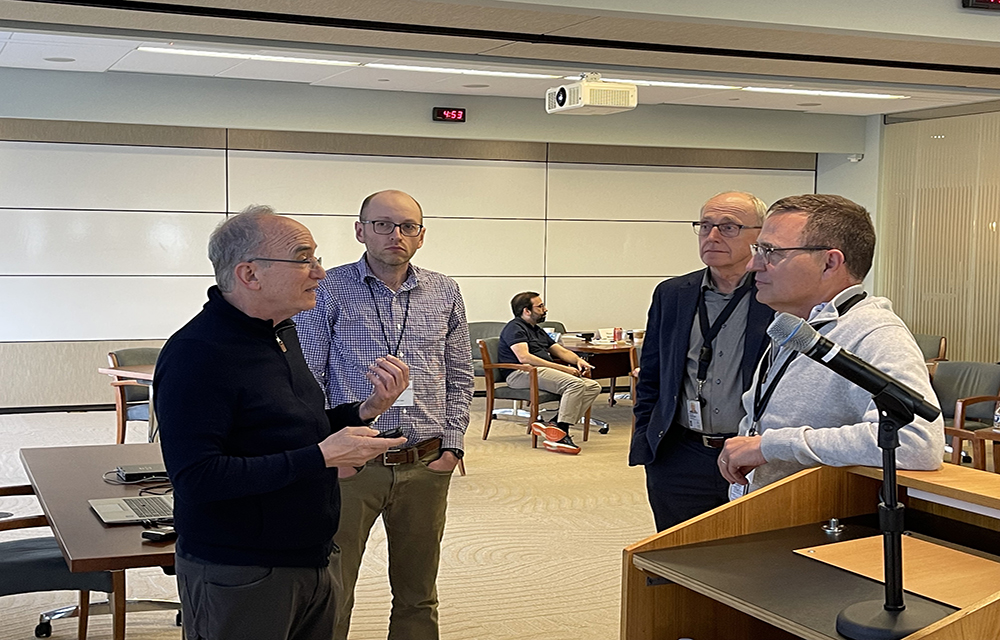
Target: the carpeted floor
pixel 532 549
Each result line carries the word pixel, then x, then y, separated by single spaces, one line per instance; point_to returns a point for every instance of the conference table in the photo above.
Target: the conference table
pixel 142 373
pixel 64 479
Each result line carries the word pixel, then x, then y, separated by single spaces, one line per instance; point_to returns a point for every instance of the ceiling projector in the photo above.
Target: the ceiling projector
pixel 591 97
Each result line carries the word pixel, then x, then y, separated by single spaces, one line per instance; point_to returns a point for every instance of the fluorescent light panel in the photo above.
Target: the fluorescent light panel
pixel 463 72
pixel 827 94
pixel 247 56
pixel 664 83
pixel 509 74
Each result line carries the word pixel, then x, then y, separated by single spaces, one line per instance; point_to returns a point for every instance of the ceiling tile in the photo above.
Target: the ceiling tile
pixel 32 55
pixel 59 39
pixel 145 62
pixel 280 71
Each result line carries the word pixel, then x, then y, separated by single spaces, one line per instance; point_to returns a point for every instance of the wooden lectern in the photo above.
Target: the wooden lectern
pixel 731 573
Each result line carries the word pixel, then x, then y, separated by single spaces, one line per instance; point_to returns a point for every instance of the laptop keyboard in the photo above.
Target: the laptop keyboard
pixel 150 508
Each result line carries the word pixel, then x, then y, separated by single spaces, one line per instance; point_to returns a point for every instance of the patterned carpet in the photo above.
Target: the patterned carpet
pixel 532 549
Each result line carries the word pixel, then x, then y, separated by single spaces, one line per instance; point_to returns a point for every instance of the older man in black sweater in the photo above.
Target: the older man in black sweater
pixel 250 449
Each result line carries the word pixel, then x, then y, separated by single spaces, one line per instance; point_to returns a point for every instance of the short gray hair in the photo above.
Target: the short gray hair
pixel 759 207
pixel 236 240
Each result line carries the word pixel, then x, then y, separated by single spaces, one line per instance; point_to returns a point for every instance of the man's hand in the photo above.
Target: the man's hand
pixel 583 366
pixel 354 446
pixel 389 377
pixel 447 462
pixel 740 456
pixel 571 370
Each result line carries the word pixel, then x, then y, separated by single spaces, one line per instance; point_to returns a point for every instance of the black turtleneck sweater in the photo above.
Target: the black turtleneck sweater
pixel 240 418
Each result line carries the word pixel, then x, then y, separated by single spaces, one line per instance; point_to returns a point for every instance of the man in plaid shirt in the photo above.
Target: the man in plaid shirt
pixel 365 310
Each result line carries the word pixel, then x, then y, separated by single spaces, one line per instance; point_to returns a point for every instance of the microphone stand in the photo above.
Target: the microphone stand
pixel 892 619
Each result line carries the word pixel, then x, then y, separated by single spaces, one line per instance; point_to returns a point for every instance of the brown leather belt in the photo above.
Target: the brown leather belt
pixel 394 457
pixel 713 441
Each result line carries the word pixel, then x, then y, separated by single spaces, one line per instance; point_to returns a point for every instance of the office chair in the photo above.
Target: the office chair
pixel 131 397
pixel 558 327
pixel 37 564
pixel 532 395
pixel 967 393
pixel 933 347
pixel 477 331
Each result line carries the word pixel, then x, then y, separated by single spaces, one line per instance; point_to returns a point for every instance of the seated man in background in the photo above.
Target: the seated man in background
pixel 522 341
pixel 810 259
pixel 250 450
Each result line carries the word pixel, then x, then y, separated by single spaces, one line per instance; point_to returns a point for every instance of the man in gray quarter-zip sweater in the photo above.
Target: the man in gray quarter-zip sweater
pixel 811 257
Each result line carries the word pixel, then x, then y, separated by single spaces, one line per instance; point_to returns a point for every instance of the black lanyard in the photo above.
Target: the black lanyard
pixel 709 333
pixel 760 401
pixel 385 333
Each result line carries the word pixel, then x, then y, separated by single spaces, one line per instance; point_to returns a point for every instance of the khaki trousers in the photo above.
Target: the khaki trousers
pixel 412 500
pixel 577 393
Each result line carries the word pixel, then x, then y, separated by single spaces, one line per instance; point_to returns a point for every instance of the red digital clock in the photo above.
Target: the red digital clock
pixel 448 114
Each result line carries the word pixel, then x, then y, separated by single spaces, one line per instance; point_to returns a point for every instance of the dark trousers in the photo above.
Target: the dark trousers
pixel 225 602
pixel 684 480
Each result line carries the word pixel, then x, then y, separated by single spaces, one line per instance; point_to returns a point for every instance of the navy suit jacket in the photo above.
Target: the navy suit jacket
pixel 664 358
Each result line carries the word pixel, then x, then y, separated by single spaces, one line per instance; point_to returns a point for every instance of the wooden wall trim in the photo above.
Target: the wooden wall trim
pixel 144 135
pixel 140 135
pixel 681 157
pixel 377 145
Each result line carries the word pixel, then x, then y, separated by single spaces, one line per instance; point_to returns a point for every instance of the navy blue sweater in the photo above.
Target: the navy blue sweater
pixel 240 419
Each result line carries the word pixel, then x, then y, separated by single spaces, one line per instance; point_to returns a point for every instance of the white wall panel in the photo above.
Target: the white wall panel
pixel 621 248
pixel 488 299
pixel 334 236
pixel 586 304
pixel 39 242
pixel 80 176
pixel 484 247
pixel 325 183
pixel 110 308
pixel 658 193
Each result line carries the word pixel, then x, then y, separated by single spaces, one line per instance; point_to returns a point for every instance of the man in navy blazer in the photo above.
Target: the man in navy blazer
pixel 705 334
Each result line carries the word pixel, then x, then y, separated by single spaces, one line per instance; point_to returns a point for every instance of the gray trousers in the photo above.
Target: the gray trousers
pixel 577 393
pixel 225 602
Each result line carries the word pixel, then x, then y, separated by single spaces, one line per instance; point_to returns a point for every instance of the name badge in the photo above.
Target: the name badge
pixel 405 399
pixel 694 415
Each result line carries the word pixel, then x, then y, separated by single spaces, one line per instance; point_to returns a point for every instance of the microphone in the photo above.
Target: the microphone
pixel 796 334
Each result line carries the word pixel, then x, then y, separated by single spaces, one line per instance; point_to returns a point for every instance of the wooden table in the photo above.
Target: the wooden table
pixel 64 478
pixel 609 360
pixel 144 373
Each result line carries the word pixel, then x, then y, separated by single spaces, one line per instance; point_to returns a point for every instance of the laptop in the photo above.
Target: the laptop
pixel 133 510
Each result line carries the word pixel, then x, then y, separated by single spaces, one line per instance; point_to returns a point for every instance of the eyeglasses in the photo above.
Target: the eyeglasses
pixel 766 253
pixel 727 229
pixel 384 227
pixel 313 262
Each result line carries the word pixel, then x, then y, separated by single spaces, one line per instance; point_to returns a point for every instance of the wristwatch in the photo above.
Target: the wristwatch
pixel 458 453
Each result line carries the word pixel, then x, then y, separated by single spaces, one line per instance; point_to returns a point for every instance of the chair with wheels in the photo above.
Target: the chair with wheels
pixel 532 395
pixel 36 564
pixel 131 396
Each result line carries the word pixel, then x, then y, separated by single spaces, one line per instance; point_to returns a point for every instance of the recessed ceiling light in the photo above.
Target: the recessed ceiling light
pixel 383 80
pixel 809 104
pixel 59 59
pixel 476 86
pixel 734 99
pixel 831 94
pixel 463 72
pixel 664 83
pixel 247 56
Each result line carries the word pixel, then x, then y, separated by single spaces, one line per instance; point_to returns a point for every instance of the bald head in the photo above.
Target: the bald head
pixel 392 199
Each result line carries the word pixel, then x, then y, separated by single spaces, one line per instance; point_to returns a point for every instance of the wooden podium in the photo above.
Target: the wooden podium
pixel 732 574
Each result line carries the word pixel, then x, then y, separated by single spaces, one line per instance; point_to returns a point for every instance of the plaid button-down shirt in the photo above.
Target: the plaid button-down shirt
pixel 344 334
